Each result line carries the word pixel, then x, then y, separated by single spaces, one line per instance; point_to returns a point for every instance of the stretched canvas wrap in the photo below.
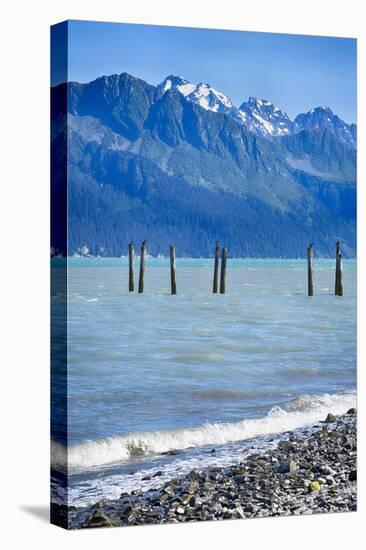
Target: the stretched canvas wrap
pixel 203 190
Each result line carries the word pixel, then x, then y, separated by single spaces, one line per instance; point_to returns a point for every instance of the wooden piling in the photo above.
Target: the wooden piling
pixel 216 268
pixel 223 271
pixel 142 267
pixel 173 282
pixel 340 275
pixel 131 275
pixel 310 271
pixel 338 253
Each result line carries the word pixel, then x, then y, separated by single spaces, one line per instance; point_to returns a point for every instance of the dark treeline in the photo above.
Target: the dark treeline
pixel 107 219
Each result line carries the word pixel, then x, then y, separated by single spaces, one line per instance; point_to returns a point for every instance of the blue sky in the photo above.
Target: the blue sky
pixel 294 72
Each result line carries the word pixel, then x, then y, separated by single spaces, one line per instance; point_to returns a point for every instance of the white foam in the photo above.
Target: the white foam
pixel 303 411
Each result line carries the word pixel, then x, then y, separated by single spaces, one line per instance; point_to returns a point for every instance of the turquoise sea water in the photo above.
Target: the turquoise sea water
pixel 153 372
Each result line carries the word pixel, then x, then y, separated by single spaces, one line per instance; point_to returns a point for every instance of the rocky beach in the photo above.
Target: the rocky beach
pixel 310 471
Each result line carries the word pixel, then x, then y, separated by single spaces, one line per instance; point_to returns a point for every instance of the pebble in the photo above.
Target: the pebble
pixel 99 519
pixel 285 467
pixel 314 486
pixel 303 475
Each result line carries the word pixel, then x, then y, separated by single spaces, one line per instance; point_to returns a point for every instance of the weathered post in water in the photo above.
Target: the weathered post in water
pixel 310 271
pixel 223 271
pixel 173 282
pixel 216 268
pixel 338 253
pixel 131 275
pixel 340 275
pixel 142 267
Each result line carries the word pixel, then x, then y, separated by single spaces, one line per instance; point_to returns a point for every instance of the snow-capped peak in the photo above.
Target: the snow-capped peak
pixel 178 83
pixel 323 117
pixel 211 99
pixel 260 115
pixel 264 118
pixel 259 102
pixel 203 94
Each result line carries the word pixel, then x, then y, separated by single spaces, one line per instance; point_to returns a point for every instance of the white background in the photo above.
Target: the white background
pixel 24 290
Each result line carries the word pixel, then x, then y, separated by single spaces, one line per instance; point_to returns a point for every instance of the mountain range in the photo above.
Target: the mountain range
pixel 260 115
pixel 180 163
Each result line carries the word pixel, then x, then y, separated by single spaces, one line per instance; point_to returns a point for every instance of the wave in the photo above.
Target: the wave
pixel 302 411
pixel 237 394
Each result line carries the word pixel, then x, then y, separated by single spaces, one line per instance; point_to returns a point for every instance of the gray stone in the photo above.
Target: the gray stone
pixel 353 475
pixel 286 467
pixel 171 453
pixel 194 475
pixel 350 442
pixel 193 487
pixel 196 501
pixel 286 446
pixel 320 475
pixel 99 519
pixel 126 510
pixel 169 490
pixel 330 480
pixel 239 479
pixel 249 507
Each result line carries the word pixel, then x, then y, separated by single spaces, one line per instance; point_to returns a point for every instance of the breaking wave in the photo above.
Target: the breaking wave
pixel 302 411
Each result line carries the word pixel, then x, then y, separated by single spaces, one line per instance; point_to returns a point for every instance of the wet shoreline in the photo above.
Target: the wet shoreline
pixel 308 473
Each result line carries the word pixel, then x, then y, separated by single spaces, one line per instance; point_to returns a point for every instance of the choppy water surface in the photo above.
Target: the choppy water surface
pixel 154 372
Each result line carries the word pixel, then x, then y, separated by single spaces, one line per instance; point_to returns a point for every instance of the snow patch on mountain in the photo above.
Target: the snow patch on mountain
pixel 323 118
pixel 178 83
pixel 211 99
pixel 260 116
pixel 202 94
pixel 265 119
pixel 305 165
